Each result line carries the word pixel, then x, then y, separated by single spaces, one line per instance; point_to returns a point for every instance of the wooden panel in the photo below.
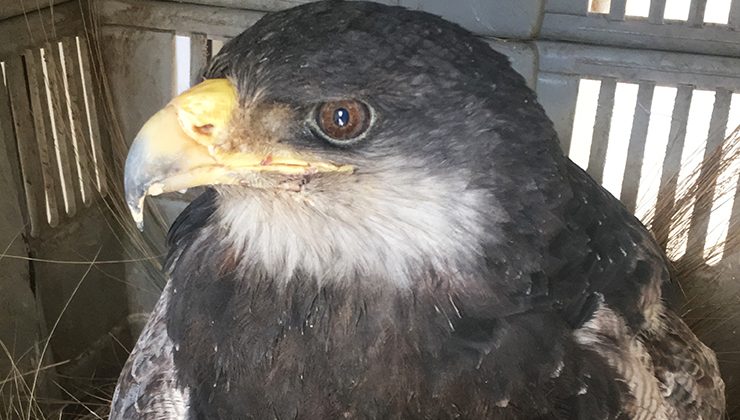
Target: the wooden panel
pixel 198 57
pixel 672 161
pixel 709 173
pixel 79 124
pixel 44 136
pixel 27 150
pixel 65 19
pixel 642 34
pixel 98 158
pixel 636 149
pixel 600 141
pixel 65 151
pixel 558 94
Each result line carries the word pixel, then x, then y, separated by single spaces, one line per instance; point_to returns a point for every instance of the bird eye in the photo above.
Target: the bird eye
pixel 343 122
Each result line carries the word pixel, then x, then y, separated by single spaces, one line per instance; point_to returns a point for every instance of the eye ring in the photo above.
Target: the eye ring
pixel 343 122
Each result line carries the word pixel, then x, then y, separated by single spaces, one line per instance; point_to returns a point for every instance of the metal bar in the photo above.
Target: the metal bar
pixel 44 137
pixel 636 149
pixel 27 151
pixel 198 57
pixel 617 10
pixel 672 164
pixel 600 139
pixel 94 128
pixel 65 152
pixel 696 13
pixel 709 173
pixel 78 119
pixel 657 11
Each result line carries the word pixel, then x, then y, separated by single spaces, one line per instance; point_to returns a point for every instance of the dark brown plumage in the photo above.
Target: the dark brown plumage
pixel 446 262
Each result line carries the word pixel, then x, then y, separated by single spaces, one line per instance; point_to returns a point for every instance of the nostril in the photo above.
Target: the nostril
pixel 204 129
pixel 267 160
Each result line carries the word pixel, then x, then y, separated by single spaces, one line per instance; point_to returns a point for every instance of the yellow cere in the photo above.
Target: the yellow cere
pixel 205 109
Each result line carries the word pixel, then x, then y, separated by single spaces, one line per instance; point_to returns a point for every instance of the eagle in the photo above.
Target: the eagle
pixel 389 229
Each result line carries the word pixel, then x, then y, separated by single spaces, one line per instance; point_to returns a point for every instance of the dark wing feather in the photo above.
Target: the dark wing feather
pixel 687 370
pixel 147 388
pixel 608 252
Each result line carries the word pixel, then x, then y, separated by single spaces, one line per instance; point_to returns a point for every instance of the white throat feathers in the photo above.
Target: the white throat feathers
pixel 386 226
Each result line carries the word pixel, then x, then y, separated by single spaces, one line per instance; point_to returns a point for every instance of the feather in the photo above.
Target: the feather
pixel 147 388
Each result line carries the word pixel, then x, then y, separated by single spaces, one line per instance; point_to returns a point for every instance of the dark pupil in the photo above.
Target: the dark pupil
pixel 341 117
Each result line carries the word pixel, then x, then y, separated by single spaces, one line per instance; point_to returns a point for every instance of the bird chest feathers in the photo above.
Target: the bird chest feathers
pixel 363 347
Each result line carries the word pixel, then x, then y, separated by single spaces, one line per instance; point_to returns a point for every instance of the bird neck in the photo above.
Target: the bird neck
pixel 217 282
pixel 385 230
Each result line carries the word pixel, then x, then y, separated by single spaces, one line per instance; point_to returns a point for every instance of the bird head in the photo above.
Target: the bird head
pixel 346 137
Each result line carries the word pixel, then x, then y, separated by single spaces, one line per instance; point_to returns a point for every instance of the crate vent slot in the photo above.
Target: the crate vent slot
pixel 583 122
pixel 659 128
pixel 637 8
pixel 74 129
pixel 599 6
pixel 677 10
pixel 182 63
pixel 90 114
pixel 214 46
pixel 53 127
pixel 718 11
pixel 623 113
pixel 697 130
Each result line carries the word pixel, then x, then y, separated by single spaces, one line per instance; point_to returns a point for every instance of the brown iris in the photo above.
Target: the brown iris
pixel 343 121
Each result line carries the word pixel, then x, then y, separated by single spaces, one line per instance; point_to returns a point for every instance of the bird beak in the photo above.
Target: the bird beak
pixel 186 145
